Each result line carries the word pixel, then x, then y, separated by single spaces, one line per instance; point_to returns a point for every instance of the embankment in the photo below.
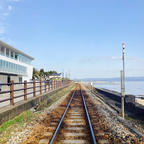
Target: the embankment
pixel 113 98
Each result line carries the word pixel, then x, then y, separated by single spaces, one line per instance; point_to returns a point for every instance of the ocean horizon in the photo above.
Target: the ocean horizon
pixel 131 87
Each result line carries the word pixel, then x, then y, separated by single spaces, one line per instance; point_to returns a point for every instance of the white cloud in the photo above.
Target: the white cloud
pixel 116 58
pixel 10 7
pixel 2 30
pixel 5 14
pixel 6 7
pixel 13 0
pixel 1 7
pixel 88 60
pixel 136 59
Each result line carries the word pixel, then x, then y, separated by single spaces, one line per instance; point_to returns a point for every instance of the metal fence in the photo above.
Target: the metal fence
pixel 26 89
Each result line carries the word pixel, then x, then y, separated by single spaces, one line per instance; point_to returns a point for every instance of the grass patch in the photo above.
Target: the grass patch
pixel 54 97
pixel 20 119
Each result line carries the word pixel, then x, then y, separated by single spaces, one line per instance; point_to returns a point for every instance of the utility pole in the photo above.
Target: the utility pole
pixel 63 74
pixel 122 94
pixel 123 80
pixel 69 74
pixel 66 75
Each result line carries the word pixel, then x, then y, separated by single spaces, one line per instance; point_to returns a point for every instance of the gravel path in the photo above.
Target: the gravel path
pixel 120 128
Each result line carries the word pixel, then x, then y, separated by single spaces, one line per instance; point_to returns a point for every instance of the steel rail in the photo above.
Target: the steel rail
pixel 88 118
pixel 56 131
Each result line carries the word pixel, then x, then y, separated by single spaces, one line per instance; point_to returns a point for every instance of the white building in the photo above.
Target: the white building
pixel 55 76
pixel 14 64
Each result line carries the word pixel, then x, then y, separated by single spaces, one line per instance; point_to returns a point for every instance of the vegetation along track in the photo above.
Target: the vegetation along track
pixel 74 126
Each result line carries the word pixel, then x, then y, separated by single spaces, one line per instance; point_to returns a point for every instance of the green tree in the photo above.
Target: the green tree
pixel 35 74
pixel 41 73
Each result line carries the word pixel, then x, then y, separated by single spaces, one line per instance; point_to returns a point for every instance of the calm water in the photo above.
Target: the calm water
pixel 132 87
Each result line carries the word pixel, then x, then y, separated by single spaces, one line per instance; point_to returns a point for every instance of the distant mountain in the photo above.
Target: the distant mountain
pixel 111 79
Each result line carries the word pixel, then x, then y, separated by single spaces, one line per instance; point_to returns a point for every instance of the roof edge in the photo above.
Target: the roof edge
pixel 14 49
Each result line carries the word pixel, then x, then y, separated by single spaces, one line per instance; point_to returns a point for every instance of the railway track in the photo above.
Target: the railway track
pixel 74 126
pixel 79 118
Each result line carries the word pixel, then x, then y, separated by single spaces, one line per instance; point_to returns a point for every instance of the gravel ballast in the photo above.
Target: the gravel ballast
pixel 120 128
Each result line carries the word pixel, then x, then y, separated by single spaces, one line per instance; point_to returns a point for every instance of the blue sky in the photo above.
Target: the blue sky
pixel 82 37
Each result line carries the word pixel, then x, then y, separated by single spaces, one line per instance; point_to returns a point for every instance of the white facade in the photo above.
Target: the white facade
pixel 55 76
pixel 14 64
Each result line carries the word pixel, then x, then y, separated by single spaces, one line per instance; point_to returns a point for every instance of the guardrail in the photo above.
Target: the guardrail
pixel 42 88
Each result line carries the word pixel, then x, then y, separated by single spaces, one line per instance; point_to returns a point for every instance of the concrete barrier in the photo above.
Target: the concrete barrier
pixel 130 103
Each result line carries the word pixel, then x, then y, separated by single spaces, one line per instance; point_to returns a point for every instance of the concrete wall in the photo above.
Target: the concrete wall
pixel 130 103
pixel 28 77
pixel 10 112
pixel 14 78
pixel 3 78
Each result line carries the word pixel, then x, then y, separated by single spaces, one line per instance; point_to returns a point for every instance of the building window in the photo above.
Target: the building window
pixel 24 59
pixel 7 52
pixel 12 54
pixel 20 79
pixel 2 50
pixel 16 56
pixel 6 66
pixel 8 79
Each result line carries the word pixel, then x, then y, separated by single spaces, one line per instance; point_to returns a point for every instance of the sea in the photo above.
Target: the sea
pixel 131 87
